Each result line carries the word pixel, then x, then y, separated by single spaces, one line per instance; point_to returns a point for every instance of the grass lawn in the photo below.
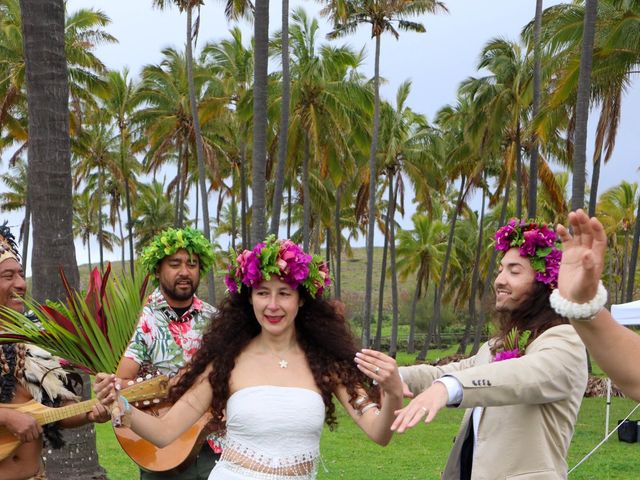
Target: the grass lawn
pixel 422 452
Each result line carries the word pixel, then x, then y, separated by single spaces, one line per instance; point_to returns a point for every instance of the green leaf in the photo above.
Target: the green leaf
pixel 88 346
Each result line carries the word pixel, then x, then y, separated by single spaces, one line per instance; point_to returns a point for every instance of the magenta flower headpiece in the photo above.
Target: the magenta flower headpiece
pixel 283 259
pixel 536 241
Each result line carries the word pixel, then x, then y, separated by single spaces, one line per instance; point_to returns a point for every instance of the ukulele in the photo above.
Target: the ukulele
pixel 175 456
pixel 146 391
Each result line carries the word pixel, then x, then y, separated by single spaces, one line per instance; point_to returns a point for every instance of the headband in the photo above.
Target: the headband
pixel 170 241
pixel 280 258
pixel 8 247
pixel 535 241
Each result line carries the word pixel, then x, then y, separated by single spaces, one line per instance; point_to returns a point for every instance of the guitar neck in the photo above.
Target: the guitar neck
pixel 50 415
pixel 139 391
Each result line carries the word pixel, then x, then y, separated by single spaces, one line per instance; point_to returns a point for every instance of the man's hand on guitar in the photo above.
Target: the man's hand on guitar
pixel 23 426
pixel 99 414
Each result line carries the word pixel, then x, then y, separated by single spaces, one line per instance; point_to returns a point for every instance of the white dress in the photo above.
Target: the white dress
pixel 273 433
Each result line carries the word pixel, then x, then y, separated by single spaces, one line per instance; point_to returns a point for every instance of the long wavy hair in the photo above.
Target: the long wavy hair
pixel 534 314
pixel 321 331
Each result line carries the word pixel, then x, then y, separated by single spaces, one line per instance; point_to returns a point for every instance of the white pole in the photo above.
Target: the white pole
pixel 606 417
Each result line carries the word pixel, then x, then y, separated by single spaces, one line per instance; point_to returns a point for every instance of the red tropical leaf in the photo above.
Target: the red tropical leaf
pixel 13 336
pixel 143 288
pixel 96 296
pixel 64 363
pixel 60 319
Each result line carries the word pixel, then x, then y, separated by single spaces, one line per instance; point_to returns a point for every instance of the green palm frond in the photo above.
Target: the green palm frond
pixel 89 331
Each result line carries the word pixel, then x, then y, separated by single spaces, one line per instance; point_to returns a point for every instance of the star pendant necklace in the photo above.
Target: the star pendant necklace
pixel 282 362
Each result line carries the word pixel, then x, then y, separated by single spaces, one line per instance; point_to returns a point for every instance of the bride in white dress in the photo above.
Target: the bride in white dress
pixel 274 357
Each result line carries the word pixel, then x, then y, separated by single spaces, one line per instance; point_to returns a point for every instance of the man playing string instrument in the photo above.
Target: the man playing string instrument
pixel 172 322
pixel 29 373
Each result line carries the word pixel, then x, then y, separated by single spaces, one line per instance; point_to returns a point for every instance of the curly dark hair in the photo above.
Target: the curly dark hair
pixel 535 314
pixel 321 331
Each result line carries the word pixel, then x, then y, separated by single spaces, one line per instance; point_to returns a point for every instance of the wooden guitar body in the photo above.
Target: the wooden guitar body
pixel 8 442
pixel 174 456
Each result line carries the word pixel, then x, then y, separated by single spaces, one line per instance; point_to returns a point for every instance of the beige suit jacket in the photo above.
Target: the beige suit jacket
pixel 531 405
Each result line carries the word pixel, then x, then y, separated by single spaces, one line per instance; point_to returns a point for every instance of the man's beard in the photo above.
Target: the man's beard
pixel 172 292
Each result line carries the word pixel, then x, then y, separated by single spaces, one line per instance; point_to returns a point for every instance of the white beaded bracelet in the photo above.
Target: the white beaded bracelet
pixel 578 311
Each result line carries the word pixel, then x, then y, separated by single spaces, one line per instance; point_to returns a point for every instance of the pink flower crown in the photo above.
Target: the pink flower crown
pixel 536 241
pixel 280 258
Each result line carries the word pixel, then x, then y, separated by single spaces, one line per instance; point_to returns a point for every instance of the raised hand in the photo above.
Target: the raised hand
pixel 582 257
pixel 382 368
pixel 428 404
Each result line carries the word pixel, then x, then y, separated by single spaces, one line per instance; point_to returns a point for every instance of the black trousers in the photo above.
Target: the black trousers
pixel 466 453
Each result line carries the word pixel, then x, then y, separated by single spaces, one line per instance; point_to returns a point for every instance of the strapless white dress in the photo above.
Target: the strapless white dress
pixel 273 433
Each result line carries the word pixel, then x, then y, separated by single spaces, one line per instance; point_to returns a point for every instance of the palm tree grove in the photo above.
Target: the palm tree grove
pixel 290 130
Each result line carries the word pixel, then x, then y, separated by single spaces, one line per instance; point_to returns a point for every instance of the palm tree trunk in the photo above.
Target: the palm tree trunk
pixel 582 104
pixel 49 186
pixel 383 279
pixel 537 73
pixel 289 208
pixel 49 168
pixel 518 173
pixel 244 197
pixel 489 278
pixel 612 273
pixel 177 210
pixel 327 234
pixel 435 319
pixel 366 320
pixel 412 320
pixel 26 223
pixel 338 256
pixel 195 221
pixel 625 256
pixel 100 229
pixel 122 242
pixel 234 213
pixel 127 196
pixel 393 348
pixel 475 278
pixel 284 122
pixel 314 237
pixel 633 257
pixel 184 175
pixel 199 150
pixel 306 204
pixel 261 58
pixel 595 180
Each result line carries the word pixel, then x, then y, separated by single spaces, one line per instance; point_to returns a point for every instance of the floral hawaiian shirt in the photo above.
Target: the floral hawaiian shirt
pixel 163 343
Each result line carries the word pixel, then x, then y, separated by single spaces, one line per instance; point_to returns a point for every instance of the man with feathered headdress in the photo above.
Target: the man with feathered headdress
pixel 29 373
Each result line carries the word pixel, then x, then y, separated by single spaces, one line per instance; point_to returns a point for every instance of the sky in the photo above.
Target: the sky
pixel 435 61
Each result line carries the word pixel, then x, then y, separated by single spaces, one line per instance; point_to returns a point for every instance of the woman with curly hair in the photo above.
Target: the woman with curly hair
pixel 273 358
